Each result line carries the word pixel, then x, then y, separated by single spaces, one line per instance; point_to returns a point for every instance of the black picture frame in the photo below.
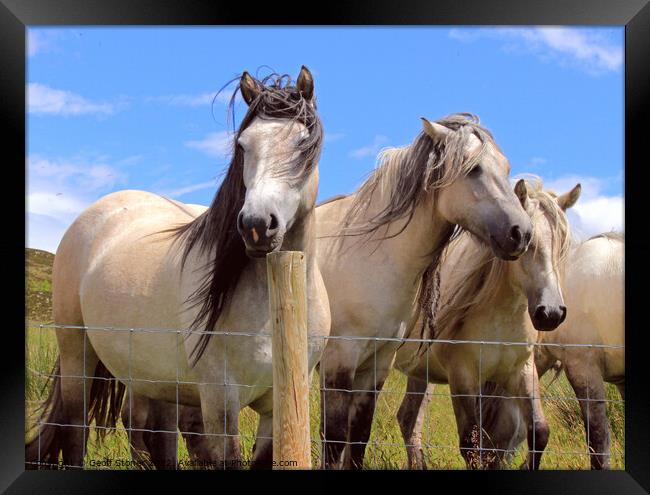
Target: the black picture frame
pixel 16 15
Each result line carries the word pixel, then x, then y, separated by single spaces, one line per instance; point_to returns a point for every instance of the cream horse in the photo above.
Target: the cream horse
pixel 377 250
pixel 137 260
pixel 394 229
pixel 485 299
pixel 594 287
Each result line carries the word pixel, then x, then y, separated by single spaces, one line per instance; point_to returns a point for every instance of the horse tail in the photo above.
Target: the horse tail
pixel 104 406
pixel 48 443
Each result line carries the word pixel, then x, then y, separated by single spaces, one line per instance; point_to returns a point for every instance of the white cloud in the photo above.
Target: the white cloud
pixel 54 204
pixel 372 149
pixel 42 41
pixel 80 173
pixel 58 190
pixel 195 100
pixel 34 43
pixel 584 48
pixel 44 231
pixel 181 191
pixel 598 215
pixel 184 100
pixel 595 212
pixel 216 144
pixel 536 162
pixel 333 137
pixel 42 99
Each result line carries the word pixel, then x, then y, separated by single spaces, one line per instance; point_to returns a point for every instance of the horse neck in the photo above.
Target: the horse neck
pixel 302 236
pixel 510 289
pixel 485 321
pixel 510 298
pixel 410 248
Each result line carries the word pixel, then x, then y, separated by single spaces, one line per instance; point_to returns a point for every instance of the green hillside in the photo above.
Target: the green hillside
pixel 38 285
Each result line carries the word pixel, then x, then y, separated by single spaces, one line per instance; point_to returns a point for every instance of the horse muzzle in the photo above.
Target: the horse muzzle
pixel 261 234
pixel 547 318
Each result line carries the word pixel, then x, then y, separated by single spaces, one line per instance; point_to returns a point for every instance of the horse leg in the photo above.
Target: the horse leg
pixel 411 416
pixel 589 388
pixel 220 404
pixel 621 389
pixel 464 398
pixel 161 438
pixel 335 406
pixel 263 448
pixel 220 410
pixel 367 385
pixel 262 457
pixel 544 360
pixel 135 412
pixel 337 377
pixel 536 424
pixel 77 359
pixel 190 424
pixel 65 414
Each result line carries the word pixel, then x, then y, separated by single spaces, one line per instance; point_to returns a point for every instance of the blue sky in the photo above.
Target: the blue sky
pixel 118 108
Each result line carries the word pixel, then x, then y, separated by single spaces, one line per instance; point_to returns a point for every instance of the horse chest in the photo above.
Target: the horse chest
pixel 505 327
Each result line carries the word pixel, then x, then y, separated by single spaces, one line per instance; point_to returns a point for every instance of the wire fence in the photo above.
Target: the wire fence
pixel 439 441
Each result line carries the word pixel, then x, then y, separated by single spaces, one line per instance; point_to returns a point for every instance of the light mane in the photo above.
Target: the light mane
pixel 406 175
pixel 477 282
pixel 612 236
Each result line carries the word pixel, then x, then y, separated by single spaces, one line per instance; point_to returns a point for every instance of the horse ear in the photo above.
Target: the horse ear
pixel 249 88
pixel 568 199
pixel 521 190
pixel 435 131
pixel 305 83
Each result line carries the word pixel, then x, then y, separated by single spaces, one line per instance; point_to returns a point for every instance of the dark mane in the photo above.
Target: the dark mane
pixel 214 233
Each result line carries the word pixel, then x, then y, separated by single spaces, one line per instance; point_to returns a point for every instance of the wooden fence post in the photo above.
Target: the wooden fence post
pixel 288 305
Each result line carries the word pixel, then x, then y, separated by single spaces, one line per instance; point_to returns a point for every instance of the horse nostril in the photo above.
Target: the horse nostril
pixel 273 225
pixel 240 222
pixel 515 234
pixel 540 312
pixel 563 310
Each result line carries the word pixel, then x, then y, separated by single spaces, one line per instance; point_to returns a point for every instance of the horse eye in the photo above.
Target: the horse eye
pixel 476 171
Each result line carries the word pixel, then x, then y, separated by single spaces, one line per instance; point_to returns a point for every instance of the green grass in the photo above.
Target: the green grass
pixel 39 286
pixel 566 448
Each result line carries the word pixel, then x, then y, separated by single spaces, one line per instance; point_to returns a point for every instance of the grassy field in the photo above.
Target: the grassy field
pixel 566 448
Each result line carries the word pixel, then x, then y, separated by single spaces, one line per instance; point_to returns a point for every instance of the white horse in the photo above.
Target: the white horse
pixel 485 299
pixel 394 229
pixel 137 260
pixel 594 288
pixel 377 250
